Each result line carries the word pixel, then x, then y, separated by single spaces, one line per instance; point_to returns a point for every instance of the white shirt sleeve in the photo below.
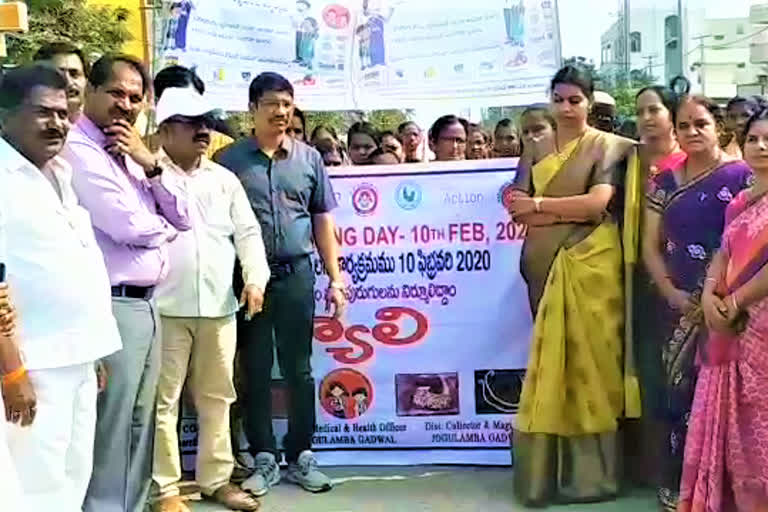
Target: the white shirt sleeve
pixel 248 241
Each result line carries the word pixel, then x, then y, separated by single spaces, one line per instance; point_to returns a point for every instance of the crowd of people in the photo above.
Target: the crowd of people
pixel 137 266
pixel 645 265
pixel 119 254
pixel 449 138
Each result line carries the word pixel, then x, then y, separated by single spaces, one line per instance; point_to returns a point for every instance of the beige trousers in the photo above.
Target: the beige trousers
pixel 202 351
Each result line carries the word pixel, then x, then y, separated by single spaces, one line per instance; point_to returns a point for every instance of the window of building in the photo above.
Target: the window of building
pixel 719 37
pixel 740 29
pixel 635 42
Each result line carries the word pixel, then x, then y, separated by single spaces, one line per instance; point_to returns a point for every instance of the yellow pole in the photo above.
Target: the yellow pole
pixel 13 18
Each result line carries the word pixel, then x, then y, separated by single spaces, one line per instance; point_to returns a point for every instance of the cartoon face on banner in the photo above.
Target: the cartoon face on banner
pixel 337 16
pixel 346 393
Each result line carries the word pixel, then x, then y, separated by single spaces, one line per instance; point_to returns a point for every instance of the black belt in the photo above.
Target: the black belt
pixel 133 292
pixel 284 268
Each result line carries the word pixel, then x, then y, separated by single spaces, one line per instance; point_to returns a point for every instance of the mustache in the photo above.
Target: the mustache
pixel 73 92
pixel 200 137
pixel 52 133
pixel 118 112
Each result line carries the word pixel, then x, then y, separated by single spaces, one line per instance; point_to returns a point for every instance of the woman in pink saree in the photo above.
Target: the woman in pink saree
pixel 726 453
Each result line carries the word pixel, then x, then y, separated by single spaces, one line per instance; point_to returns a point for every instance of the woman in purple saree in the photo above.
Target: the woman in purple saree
pixel 685 214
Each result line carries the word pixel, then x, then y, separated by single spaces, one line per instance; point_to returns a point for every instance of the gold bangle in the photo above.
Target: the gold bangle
pixel 14 376
pixel 537 203
pixel 735 301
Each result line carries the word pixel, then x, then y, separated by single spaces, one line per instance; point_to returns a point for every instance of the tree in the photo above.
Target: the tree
pixel 625 89
pixel 335 119
pixel 384 120
pixel 95 29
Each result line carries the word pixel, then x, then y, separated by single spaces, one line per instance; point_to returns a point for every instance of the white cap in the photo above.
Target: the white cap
pixel 603 98
pixel 181 101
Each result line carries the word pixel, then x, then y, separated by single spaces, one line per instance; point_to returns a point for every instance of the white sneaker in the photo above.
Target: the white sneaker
pixel 267 474
pixel 304 472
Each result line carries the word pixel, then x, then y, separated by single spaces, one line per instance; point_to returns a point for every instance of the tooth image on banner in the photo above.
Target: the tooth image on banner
pixel 427 394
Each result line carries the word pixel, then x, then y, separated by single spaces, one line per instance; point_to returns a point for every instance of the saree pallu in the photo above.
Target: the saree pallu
pixel 726 454
pixel 692 221
pixel 579 380
pixel 645 438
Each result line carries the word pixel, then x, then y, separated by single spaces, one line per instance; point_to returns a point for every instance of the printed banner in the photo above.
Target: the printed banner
pixel 426 365
pixel 366 54
pixel 431 352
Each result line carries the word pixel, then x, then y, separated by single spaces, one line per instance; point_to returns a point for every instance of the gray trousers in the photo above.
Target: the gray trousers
pixel 125 428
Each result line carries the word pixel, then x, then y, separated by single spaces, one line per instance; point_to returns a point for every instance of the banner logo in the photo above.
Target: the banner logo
pixel 505 194
pixel 408 195
pixel 365 199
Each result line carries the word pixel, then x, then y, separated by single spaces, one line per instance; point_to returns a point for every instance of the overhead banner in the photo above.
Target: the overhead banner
pixel 366 54
pixel 428 361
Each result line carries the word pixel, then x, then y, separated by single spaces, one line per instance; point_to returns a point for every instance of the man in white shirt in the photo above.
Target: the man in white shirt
pixel 60 288
pixel 198 305
pixel 16 383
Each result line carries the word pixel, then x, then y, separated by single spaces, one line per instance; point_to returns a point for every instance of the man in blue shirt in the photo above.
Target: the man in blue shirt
pixel 291 194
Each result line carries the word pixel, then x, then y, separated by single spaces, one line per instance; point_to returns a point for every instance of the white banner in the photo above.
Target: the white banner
pixel 366 54
pixel 426 365
pixel 430 354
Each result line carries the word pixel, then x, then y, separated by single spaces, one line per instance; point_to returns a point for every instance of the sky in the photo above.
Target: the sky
pixel 582 22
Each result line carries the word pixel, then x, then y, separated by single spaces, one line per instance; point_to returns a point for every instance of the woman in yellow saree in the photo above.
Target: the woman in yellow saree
pixel 580 379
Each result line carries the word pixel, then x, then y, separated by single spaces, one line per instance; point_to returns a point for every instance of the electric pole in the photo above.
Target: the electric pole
pixel 680 39
pixel 650 59
pixel 702 66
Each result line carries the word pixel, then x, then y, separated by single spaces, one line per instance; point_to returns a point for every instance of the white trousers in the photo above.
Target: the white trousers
pixel 10 489
pixel 54 456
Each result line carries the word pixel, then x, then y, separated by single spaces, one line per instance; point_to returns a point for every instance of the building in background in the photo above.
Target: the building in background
pixel 652 42
pixel 758 51
pixel 720 56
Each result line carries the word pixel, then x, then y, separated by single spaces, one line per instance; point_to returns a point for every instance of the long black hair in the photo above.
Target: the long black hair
pixel 760 115
pixel 668 97
pixel 577 76
pixel 444 122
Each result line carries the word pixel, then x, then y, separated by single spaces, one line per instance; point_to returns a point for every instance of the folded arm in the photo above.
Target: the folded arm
pixel 589 207
pixel 115 210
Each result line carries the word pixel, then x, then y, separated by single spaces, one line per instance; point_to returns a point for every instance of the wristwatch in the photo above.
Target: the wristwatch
pixel 337 285
pixel 154 172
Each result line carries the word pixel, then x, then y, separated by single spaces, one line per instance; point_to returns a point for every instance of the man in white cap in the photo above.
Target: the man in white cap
pixel 603 113
pixel 197 304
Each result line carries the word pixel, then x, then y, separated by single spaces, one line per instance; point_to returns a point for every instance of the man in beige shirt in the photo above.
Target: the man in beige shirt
pixel 197 304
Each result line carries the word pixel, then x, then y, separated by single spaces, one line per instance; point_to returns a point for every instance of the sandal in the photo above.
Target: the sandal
pixel 234 498
pixel 170 504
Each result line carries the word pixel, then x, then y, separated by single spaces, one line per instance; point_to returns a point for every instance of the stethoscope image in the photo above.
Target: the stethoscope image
pixel 492 398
